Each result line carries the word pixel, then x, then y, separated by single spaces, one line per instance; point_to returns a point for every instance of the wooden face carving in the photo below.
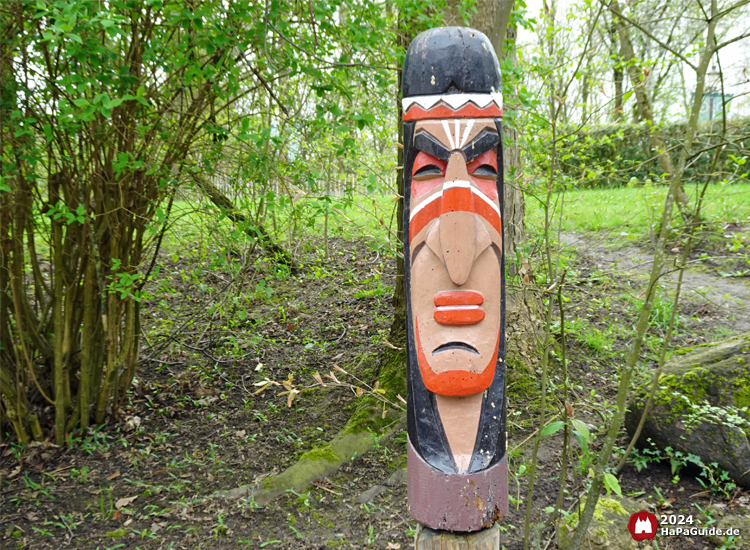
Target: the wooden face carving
pixel 455 242
pixel 453 263
pixel 454 286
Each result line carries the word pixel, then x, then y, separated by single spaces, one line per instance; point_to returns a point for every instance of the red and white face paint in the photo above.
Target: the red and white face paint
pixel 455 240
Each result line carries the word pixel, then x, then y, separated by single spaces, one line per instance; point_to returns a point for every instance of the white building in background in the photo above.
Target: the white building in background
pixel 734 61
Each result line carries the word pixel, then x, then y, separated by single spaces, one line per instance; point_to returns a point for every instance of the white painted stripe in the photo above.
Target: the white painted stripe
pixel 457 308
pixel 448 133
pixel 457 183
pixel 450 185
pixel 453 100
pixel 474 190
pixel 469 125
pixel 422 205
pixel 486 199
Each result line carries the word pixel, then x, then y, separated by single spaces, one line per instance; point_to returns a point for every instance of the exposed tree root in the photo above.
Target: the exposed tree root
pixel 254 230
pixel 365 428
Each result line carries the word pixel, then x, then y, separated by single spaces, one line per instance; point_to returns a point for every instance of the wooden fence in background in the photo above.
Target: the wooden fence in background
pixel 338 187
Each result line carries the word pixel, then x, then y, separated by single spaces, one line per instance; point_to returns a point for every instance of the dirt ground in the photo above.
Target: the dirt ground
pixel 196 427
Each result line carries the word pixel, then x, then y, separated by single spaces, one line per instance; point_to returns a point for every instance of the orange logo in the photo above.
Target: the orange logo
pixel 643 525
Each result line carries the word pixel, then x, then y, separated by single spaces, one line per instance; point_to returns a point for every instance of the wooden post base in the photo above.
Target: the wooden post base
pixel 428 539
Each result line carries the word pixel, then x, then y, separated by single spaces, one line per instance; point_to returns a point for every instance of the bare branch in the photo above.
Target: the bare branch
pixel 731 40
pixel 647 33
pixel 731 8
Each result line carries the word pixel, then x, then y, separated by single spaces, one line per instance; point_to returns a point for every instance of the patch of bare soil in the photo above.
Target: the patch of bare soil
pixel 196 428
pixel 610 279
pixel 704 285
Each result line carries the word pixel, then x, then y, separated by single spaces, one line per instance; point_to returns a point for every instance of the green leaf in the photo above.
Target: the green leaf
pixel 114 103
pixel 582 429
pixel 81 102
pixel 627 96
pixel 552 427
pixel 612 484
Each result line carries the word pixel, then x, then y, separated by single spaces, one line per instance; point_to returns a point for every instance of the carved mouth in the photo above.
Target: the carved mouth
pixel 459 307
pixel 455 346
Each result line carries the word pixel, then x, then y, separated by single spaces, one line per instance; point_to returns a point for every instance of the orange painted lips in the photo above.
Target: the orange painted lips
pixel 459 307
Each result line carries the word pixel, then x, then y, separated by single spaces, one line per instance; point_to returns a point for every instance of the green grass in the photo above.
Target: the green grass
pixel 598 341
pixel 634 210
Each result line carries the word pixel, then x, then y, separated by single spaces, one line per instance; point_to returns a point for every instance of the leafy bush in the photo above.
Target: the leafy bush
pixel 615 155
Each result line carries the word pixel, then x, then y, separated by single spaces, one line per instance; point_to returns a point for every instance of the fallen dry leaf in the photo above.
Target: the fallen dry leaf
pixel 124 501
pixel 158 526
pixel 113 476
pixel 393 546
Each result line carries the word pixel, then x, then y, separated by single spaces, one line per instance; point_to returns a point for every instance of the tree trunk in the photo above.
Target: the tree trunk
pixel 491 18
pixel 520 307
pixel 617 75
pixel 645 111
pixel 397 334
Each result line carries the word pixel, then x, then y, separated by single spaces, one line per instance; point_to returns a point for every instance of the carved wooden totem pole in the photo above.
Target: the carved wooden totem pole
pixel 453 254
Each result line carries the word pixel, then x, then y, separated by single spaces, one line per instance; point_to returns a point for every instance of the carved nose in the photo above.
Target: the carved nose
pixel 458 221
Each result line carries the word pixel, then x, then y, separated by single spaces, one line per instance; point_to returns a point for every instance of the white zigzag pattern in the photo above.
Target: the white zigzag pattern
pixel 455 101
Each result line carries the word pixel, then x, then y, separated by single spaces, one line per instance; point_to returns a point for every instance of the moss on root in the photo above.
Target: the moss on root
pixel 702 409
pixel 391 375
pixel 365 427
pixel 605 529
pixel 715 373
pixel 522 382
pixel 323 452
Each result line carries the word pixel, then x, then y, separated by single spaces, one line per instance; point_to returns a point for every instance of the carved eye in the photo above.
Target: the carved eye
pixel 427 172
pixel 486 172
